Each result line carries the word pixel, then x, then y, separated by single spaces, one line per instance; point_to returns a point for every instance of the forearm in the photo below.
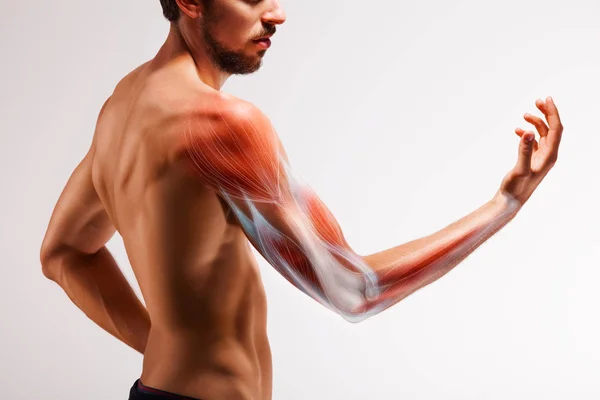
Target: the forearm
pixel 404 269
pixel 97 286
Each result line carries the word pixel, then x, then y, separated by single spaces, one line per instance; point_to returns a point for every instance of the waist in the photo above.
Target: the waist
pixel 204 365
pixel 206 386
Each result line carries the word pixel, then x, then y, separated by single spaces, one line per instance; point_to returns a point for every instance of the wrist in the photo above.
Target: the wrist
pixel 505 202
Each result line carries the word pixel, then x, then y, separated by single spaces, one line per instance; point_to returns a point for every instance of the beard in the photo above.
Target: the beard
pixel 234 62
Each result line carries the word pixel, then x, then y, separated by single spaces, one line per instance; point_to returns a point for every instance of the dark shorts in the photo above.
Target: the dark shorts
pixel 141 392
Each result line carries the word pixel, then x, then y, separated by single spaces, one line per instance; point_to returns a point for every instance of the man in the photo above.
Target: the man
pixel 189 176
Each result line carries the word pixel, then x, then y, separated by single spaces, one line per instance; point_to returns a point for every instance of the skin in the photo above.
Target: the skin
pixel 176 166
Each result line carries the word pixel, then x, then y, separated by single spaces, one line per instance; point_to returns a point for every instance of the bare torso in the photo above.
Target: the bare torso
pixel 195 267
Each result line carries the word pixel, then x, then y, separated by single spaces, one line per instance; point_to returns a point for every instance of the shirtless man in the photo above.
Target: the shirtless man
pixel 192 178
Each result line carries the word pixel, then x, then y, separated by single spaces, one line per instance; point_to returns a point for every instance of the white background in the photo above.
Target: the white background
pixel 401 115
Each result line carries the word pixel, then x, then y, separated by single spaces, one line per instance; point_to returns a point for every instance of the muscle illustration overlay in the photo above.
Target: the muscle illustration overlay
pixel 239 156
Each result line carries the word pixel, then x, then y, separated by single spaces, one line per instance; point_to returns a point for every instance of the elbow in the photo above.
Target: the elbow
pixel 44 262
pixel 49 263
pixel 354 306
pixel 49 270
pixel 359 313
pixel 350 305
pixel 353 298
pixel 355 317
pixel 364 300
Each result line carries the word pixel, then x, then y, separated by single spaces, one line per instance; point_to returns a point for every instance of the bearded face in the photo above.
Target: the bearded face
pixel 230 29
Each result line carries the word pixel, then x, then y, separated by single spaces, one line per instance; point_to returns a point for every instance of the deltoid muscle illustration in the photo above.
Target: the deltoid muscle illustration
pixel 295 232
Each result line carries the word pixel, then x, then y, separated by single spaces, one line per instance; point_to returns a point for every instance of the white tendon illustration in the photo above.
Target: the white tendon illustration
pixel 286 222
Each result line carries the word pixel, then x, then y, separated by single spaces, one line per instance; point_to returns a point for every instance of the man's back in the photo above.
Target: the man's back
pixel 194 265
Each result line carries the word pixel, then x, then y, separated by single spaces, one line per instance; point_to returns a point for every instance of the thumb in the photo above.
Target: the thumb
pixel 525 152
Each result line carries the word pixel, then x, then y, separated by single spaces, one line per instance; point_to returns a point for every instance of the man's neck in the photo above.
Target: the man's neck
pixel 176 46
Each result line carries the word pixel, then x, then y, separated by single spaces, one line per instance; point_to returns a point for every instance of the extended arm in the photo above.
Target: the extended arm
pixel 240 157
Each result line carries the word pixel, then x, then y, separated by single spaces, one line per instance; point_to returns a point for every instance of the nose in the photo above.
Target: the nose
pixel 276 15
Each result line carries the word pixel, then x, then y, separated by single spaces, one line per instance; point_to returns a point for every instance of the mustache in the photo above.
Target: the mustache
pixel 270 31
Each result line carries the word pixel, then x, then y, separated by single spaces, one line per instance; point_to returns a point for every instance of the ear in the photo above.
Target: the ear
pixel 191 8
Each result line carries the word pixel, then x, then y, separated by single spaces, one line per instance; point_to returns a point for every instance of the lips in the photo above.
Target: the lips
pixel 264 43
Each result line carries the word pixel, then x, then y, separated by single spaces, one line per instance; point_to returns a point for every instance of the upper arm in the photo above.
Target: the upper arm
pixel 240 157
pixel 79 221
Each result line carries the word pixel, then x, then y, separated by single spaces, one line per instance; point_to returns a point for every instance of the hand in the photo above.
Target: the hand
pixel 535 159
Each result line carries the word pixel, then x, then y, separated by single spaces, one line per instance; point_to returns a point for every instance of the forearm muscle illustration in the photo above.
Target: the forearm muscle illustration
pixel 242 159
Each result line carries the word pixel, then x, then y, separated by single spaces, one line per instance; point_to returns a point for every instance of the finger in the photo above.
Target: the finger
pixel 520 132
pixel 523 166
pixel 552 114
pixel 555 124
pixel 541 105
pixel 539 124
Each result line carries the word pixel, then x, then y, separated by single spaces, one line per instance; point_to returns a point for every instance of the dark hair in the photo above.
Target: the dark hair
pixel 170 10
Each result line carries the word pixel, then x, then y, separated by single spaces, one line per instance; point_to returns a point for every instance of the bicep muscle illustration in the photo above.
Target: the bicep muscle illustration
pixel 239 156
